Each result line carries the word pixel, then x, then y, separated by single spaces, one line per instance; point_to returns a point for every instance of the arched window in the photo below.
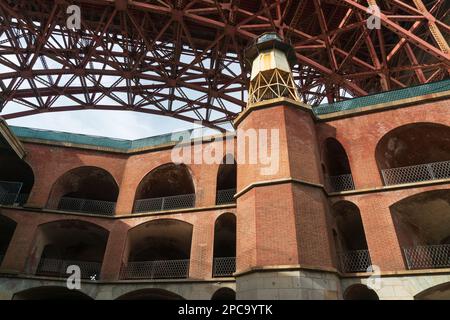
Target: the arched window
pixel 167 187
pixel 85 189
pixel 336 166
pixel 7 228
pixel 360 292
pixel 159 249
pixel 63 243
pixel 224 245
pixel 422 224
pixel 351 239
pixel 16 179
pixel 414 152
pixel 226 181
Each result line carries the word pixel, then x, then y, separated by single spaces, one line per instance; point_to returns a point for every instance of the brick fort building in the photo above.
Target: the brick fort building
pixel 359 207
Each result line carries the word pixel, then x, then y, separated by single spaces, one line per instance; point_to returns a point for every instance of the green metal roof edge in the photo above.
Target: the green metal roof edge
pixel 127 145
pixel 383 97
pixel 97 141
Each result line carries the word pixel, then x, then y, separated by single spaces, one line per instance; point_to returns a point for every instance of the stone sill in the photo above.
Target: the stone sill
pixel 126 216
pixel 391 187
pixel 127 281
pixel 415 272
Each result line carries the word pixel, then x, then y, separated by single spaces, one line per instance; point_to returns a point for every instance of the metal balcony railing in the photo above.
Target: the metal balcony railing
pixel 58 268
pixel 343 182
pixel 428 257
pixel 159 269
pixel 9 192
pixel 22 198
pixel 165 203
pixel 355 261
pixel 224 266
pixel 87 206
pixel 225 196
pixel 417 173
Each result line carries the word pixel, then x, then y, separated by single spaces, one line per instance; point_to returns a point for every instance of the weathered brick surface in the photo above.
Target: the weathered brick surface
pixel 286 223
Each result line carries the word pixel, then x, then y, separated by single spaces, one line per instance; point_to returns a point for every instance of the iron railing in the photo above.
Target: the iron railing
pixel 417 173
pixel 87 206
pixel 340 183
pixel 9 192
pixel 58 268
pixel 224 266
pixel 225 196
pixel 355 261
pixel 428 257
pixel 22 198
pixel 158 269
pixel 165 203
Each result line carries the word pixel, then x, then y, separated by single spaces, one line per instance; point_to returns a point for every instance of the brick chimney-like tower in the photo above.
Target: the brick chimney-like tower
pixel 283 239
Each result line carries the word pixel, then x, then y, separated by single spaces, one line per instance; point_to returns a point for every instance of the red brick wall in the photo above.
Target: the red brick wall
pixel 285 223
pixel 22 245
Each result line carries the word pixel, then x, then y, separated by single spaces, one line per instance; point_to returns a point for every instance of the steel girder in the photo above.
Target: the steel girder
pixel 185 59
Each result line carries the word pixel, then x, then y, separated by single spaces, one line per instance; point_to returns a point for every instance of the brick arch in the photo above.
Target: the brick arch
pixel 349 222
pixel 436 292
pixel 72 180
pixel 224 293
pixel 150 294
pixel 13 169
pixel 161 239
pixel 7 228
pixel 226 180
pixel 422 225
pixel 225 242
pixel 409 193
pixel 68 239
pixel 359 292
pixel 405 287
pixel 326 144
pixel 335 165
pixel 165 180
pixel 409 145
pixel 51 293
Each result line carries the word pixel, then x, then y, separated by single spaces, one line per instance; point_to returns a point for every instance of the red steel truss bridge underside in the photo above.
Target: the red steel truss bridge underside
pixel 185 59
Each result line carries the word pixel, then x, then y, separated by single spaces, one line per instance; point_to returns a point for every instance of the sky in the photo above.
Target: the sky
pixel 116 124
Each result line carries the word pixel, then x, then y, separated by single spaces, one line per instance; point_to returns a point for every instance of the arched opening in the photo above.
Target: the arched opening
pixel 159 249
pixel 63 243
pixel 85 189
pixel 51 293
pixel 224 294
pixel 414 152
pixel 351 239
pixel 422 224
pixel 439 292
pixel 360 292
pixel 224 246
pixel 16 179
pixel 336 166
pixel 7 228
pixel 150 294
pixel 226 181
pixel 167 187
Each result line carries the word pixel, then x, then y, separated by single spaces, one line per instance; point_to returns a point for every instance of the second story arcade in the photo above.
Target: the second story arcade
pixel 413 153
pixel 85 189
pixel 167 187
